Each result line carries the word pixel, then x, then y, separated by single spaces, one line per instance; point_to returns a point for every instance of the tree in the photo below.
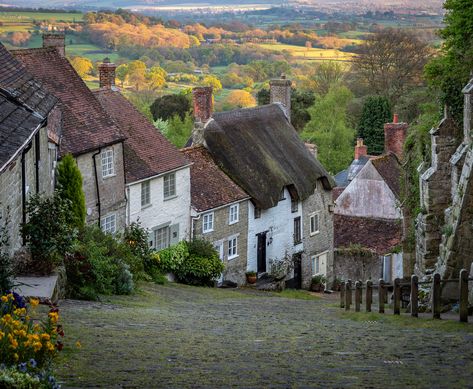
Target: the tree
pixel 239 99
pixel 450 72
pixel 122 73
pixel 391 61
pixel 69 183
pixel 212 81
pixel 326 74
pixel 82 66
pixel 179 131
pixel 137 74
pixel 156 77
pixel 376 112
pixel 167 106
pixel 329 130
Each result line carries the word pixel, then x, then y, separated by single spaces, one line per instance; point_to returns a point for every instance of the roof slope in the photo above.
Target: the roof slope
pixel 17 125
pixel 20 85
pixel 261 151
pixel 210 186
pixel 147 151
pixel 389 168
pixel 86 125
pixel 344 177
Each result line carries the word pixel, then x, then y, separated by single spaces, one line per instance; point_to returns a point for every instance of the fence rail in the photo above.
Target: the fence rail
pixel 348 287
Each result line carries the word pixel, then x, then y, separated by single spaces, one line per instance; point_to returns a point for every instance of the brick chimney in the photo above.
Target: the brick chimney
pixel 107 74
pixel 361 150
pixel 280 92
pixel 203 103
pixel 57 40
pixel 394 137
pixel 467 111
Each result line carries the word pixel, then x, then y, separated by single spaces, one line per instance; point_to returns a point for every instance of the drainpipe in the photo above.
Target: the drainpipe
pixel 99 205
pixel 23 185
pixel 192 225
pixel 37 147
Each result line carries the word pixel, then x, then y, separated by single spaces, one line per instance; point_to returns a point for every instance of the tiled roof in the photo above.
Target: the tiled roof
pixel 17 125
pixel 86 125
pixel 346 176
pixel 389 168
pixel 261 151
pixel 378 235
pixel 210 186
pixel 20 85
pixel 147 151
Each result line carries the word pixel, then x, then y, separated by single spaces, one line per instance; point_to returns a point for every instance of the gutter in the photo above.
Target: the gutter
pixel 99 205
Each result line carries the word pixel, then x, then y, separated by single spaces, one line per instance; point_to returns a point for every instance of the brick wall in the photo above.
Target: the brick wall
pixel 394 137
pixel 203 103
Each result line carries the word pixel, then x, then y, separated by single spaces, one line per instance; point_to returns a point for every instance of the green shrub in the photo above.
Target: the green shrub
pixel 47 232
pixel 6 272
pixel 136 238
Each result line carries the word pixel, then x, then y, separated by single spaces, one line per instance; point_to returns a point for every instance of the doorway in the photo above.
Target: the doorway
pixel 261 252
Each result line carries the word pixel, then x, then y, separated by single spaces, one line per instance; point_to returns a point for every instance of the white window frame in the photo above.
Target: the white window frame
pixel 108 224
pixel 208 222
pixel 167 237
pixel 108 168
pixel 145 194
pixel 169 187
pixel 234 214
pixel 315 263
pixel 313 216
pixel 232 247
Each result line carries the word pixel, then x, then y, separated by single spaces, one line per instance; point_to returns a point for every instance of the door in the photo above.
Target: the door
pixel 297 271
pixel 261 250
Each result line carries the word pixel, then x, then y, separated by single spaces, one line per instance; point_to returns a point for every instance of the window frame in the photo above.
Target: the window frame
pixel 107 163
pixel 297 231
pixel 208 226
pixel 313 216
pixel 236 214
pixel 167 186
pixel 146 190
pixel 232 251
pixel 108 220
pixel 167 237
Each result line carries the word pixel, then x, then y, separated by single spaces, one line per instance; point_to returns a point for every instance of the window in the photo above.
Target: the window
pixel 232 248
pixel 109 224
pixel 314 224
pixel 107 163
pixel 145 193
pixel 257 212
pixel 169 185
pixel 315 265
pixel 208 222
pixel 234 211
pixel 319 264
pixel 297 230
pixel 294 205
pixel 162 238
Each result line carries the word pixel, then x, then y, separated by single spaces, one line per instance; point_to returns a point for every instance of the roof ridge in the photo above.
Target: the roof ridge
pixel 32 50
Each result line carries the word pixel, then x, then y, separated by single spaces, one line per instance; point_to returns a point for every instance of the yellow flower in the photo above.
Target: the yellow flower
pixel 37 346
pixel 10 296
pixel 45 337
pixel 54 316
pixel 50 346
pixel 2 334
pixel 16 357
pixel 34 302
pixel 78 345
pixel 14 343
pixel 4 299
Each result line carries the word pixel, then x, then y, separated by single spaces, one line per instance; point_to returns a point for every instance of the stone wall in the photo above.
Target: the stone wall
pixel 280 92
pixel 235 268
pixel 357 264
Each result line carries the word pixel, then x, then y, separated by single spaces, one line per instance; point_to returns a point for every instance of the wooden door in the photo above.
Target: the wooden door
pixel 261 252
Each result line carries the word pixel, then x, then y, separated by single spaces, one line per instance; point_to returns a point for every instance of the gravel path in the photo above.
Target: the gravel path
pixel 176 336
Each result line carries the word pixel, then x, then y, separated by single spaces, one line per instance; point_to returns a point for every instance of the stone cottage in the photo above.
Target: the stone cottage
pixel 88 132
pixel 157 175
pixel 368 213
pixel 219 212
pixel 262 153
pixel 29 125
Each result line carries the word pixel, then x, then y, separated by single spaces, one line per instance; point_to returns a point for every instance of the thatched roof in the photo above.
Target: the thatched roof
pixel 261 151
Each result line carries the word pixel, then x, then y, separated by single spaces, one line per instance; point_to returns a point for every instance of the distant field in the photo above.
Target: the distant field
pixel 40 16
pixel 310 54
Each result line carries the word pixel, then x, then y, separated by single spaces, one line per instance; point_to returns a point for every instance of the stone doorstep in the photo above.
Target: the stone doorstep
pixel 43 288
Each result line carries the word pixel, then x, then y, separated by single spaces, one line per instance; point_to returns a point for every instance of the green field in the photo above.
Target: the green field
pixel 22 17
pixel 310 54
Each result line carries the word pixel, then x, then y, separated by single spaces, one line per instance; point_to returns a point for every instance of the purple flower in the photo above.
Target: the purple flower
pixel 33 363
pixel 22 367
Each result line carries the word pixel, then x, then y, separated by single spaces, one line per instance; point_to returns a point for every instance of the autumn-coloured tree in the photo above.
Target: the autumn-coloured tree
pixel 239 99
pixel 156 78
pixel 212 81
pixel 122 73
pixel 137 74
pixel 82 66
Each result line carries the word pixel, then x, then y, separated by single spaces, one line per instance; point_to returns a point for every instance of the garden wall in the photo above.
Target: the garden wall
pixel 357 264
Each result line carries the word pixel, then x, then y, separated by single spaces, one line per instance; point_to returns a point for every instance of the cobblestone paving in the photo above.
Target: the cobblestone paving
pixel 182 337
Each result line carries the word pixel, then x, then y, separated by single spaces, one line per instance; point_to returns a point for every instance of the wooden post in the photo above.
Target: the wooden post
pixel 361 292
pixel 357 296
pixel 397 297
pixel 463 285
pixel 369 295
pixel 347 295
pixel 436 296
pixel 342 295
pixel 414 296
pixel 381 295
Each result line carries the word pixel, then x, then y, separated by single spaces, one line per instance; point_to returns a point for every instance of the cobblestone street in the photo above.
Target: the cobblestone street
pixel 176 336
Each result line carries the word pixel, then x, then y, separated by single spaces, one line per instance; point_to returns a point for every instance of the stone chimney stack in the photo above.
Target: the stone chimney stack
pixel 280 92
pixel 467 112
pixel 361 150
pixel 203 110
pixel 107 74
pixel 394 137
pixel 57 40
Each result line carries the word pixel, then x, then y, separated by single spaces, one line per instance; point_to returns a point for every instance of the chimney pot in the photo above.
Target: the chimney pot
pixel 396 118
pixel 56 40
pixel 107 74
pixel 360 149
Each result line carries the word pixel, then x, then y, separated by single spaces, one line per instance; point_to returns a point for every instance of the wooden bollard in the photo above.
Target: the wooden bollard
pixel 436 296
pixel 397 297
pixel 357 295
pixel 463 285
pixel 347 295
pixel 342 295
pixel 414 296
pixel 381 295
pixel 361 294
pixel 369 295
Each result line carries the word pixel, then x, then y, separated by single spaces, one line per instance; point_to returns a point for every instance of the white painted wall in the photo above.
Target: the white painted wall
pixel 279 222
pixel 159 212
